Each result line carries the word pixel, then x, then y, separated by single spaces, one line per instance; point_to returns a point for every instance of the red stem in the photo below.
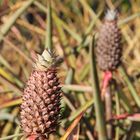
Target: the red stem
pixel 32 137
pixel 106 80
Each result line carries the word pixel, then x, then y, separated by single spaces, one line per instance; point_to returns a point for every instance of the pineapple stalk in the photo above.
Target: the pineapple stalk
pixel 108 52
pixel 108 110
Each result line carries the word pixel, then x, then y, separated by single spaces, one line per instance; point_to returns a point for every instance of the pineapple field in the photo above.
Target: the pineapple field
pixel 69 70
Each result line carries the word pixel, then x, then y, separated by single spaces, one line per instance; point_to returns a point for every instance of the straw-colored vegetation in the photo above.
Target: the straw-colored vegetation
pixel 24 28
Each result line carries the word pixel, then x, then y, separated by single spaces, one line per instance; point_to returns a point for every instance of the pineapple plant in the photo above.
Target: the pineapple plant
pixel 109 49
pixel 40 109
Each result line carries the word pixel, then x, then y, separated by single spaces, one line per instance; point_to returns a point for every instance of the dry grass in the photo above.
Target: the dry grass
pixel 74 22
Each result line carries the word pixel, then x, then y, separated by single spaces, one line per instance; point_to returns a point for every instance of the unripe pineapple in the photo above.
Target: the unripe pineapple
pixel 109 49
pixel 40 110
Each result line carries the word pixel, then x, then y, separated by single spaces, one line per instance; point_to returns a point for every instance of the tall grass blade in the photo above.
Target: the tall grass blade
pixel 7 26
pixel 101 128
pixel 48 43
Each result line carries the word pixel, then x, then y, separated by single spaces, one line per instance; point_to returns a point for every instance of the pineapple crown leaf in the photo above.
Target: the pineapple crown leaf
pixel 111 15
pixel 48 56
pixel 44 61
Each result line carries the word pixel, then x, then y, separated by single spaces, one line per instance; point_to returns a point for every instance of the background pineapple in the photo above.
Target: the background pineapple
pixel 109 49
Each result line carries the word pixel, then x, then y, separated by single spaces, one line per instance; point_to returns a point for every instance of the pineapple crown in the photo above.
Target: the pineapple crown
pixel 111 15
pixel 44 61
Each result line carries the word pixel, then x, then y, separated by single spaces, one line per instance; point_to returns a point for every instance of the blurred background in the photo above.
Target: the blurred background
pixel 23 27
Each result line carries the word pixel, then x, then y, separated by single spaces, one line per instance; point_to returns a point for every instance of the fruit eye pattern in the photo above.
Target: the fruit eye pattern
pixel 40 110
pixel 109 48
